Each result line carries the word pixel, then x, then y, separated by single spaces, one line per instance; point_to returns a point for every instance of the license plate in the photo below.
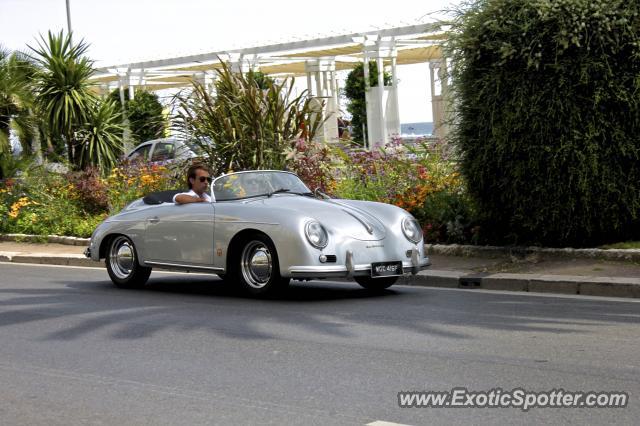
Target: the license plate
pixel 386 269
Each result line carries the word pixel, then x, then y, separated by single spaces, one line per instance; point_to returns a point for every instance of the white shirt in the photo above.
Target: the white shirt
pixel 205 196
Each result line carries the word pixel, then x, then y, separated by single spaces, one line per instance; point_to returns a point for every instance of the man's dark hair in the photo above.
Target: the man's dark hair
pixel 191 172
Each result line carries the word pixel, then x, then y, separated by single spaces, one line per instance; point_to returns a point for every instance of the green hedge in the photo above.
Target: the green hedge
pixel 547 118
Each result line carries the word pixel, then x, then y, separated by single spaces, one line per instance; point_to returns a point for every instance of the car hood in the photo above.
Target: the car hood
pixel 353 221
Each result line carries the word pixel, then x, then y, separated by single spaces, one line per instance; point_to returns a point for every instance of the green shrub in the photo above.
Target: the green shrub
pixel 146 116
pixel 449 216
pixel 548 117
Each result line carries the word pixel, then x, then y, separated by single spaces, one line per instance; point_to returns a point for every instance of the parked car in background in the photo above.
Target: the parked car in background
pixel 164 150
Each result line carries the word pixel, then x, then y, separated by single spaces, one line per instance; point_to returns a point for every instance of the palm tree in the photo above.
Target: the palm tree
pixel 63 87
pixel 16 100
pixel 101 137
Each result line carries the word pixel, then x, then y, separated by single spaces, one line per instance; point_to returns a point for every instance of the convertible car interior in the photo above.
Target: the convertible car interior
pixel 161 197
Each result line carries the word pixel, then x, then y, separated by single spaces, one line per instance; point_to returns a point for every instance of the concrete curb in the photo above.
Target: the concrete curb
pixel 532 252
pixel 49 259
pixel 58 239
pixel 534 283
pixel 441 249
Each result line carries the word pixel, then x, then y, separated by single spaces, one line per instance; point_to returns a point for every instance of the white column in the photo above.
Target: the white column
pixel 309 85
pixel 316 75
pixel 334 88
pixel 130 85
pixel 382 122
pixel 141 80
pixel 394 122
pixel 319 70
pixel 380 100
pixel 121 90
pixel 241 64
pixel 126 131
pixel 368 105
pixel 325 84
pixel 438 81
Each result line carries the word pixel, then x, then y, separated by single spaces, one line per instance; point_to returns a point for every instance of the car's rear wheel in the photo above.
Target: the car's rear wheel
pixel 122 264
pixel 376 284
pixel 255 266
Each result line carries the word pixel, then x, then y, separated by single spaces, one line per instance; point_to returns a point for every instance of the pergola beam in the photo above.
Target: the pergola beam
pixel 282 47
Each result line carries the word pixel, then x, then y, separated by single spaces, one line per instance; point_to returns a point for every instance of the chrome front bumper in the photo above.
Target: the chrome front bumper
pixel 350 269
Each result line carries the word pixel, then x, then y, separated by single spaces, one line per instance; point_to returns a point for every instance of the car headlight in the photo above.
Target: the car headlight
pixel 316 234
pixel 411 229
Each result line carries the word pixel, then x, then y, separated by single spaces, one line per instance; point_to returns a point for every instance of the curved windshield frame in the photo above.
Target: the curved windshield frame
pixel 249 184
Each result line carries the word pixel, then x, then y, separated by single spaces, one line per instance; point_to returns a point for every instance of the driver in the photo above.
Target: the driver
pixel 198 180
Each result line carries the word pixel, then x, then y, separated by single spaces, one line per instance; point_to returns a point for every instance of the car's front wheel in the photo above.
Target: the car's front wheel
pixel 376 284
pixel 255 266
pixel 122 264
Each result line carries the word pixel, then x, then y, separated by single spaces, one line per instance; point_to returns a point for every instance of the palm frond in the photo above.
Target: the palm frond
pixel 63 85
pixel 100 139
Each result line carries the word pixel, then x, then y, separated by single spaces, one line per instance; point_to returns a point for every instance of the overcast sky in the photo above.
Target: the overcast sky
pixel 123 31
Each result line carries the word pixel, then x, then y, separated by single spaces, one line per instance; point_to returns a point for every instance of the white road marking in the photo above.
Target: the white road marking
pixel 51 266
pixel 102 267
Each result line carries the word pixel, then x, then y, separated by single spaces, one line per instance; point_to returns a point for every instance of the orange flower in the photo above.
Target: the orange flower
pixel 15 207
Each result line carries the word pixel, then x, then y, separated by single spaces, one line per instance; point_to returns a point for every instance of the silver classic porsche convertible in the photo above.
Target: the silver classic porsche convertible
pixel 262 229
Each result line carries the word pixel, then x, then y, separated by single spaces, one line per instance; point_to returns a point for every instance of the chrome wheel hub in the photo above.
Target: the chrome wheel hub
pixel 121 258
pixel 256 264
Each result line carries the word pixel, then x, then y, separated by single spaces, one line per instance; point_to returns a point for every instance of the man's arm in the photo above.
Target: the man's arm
pixel 185 199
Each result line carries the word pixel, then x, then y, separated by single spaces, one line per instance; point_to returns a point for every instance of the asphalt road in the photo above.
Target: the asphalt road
pixel 189 350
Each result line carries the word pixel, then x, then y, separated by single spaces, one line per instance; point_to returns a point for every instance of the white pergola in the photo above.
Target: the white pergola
pixel 316 59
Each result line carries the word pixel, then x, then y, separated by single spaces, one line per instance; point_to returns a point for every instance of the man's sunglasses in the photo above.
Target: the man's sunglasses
pixel 205 179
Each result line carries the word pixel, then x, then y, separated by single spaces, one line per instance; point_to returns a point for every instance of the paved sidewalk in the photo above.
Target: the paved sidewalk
pixel 532 273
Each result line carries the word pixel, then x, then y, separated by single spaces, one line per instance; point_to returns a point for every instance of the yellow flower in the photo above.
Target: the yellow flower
pixel 146 179
pixel 15 207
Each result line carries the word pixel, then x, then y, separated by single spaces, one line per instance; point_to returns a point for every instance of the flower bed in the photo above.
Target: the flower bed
pixel 45 203
pixel 421 178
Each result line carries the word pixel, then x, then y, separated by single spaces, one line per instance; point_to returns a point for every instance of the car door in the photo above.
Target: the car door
pixel 180 234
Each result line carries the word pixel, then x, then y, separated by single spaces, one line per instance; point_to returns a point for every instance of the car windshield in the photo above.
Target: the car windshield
pixel 194 147
pixel 236 186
